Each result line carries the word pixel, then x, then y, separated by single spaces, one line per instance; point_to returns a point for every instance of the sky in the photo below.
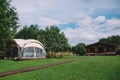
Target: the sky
pixel 82 21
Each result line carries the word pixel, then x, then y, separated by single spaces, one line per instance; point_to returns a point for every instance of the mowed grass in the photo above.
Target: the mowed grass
pixel 93 68
pixel 6 65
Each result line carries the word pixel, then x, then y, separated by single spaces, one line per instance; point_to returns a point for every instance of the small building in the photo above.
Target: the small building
pixel 100 48
pixel 25 49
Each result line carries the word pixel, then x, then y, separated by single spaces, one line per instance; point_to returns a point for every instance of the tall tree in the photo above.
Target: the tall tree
pixel 53 39
pixel 8 22
pixel 28 32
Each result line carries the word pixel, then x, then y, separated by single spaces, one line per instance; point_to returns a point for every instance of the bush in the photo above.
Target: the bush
pixel 58 54
pixel 79 49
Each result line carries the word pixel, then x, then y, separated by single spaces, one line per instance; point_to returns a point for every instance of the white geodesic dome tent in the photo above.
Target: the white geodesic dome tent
pixel 25 49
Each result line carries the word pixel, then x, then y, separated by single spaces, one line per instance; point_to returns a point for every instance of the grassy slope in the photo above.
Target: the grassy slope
pixel 95 68
pixel 6 65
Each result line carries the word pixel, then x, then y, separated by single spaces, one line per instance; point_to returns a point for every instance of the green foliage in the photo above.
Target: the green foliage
pixel 8 22
pixel 28 32
pixel 79 49
pixel 53 39
pixel 111 39
pixel 93 68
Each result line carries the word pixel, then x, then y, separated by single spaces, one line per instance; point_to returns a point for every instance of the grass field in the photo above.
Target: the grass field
pixel 93 68
pixel 6 65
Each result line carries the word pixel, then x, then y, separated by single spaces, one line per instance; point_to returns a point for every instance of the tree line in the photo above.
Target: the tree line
pixel 115 39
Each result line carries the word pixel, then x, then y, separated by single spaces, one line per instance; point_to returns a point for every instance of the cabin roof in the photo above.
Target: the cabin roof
pixel 99 43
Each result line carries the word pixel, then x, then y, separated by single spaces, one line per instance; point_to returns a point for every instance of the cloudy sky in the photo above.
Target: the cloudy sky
pixel 81 20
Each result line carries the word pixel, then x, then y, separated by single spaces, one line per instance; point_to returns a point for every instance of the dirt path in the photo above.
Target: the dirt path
pixel 12 72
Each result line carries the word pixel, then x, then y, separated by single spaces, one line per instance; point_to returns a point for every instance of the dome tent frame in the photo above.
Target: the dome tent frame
pixel 25 49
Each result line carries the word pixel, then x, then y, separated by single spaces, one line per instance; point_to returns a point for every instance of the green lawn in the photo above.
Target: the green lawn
pixel 6 65
pixel 93 68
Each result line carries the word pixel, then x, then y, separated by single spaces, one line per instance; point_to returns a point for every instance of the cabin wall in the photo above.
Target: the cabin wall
pixel 101 49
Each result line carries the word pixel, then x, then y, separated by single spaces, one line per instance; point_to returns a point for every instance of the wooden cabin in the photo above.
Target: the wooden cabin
pixel 100 48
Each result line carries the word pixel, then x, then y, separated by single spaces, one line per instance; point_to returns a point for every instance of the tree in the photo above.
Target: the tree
pixel 8 22
pixel 28 32
pixel 53 39
pixel 79 49
pixel 111 39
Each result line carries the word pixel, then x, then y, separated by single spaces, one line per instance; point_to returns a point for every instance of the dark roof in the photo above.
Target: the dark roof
pixel 101 43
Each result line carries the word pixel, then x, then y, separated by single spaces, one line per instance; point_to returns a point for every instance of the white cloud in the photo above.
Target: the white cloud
pixel 100 19
pixel 82 20
pixel 112 26
pixel 113 22
pixel 91 30
pixel 48 22
pixel 58 10
pixel 80 35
